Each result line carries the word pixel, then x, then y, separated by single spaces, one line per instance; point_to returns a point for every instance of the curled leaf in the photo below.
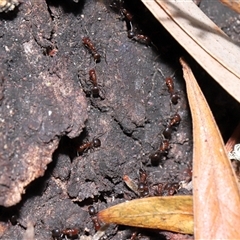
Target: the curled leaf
pixel 172 213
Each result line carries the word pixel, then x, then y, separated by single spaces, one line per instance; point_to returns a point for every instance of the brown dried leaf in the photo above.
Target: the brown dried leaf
pixel 203 40
pixel 216 195
pixel 173 213
pixel 233 4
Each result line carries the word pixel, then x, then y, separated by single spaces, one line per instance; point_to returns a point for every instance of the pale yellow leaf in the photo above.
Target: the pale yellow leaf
pixel 172 213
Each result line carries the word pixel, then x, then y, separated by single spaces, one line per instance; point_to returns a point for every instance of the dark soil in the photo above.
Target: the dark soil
pixel 47 112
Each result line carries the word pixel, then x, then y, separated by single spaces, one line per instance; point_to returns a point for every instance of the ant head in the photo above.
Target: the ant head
pixel 131 34
pixel 96 142
pixel 85 40
pixel 92 211
pixel 175 120
pixel 141 187
pixel 91 72
pixel 97 57
pixel 56 233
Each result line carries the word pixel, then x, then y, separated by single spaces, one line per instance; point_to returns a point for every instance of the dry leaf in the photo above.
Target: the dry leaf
pixel 207 44
pixel 216 196
pixel 233 4
pixel 173 213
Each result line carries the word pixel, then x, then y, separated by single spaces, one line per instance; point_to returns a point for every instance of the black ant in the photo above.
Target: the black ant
pixel 93 213
pixel 95 143
pixel 58 234
pixel 90 46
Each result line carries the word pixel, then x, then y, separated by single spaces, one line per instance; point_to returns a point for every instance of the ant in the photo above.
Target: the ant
pixel 93 213
pixel 95 143
pixel 141 39
pixel 142 176
pixel 93 79
pixel 166 189
pixel 163 150
pixel 58 234
pixel 175 120
pixel 188 174
pixel 95 89
pixel 164 147
pixel 90 46
pixel 126 15
pixel 170 86
pixel 142 185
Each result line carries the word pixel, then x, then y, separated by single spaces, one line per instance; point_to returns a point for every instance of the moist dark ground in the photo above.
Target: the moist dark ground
pixel 46 115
